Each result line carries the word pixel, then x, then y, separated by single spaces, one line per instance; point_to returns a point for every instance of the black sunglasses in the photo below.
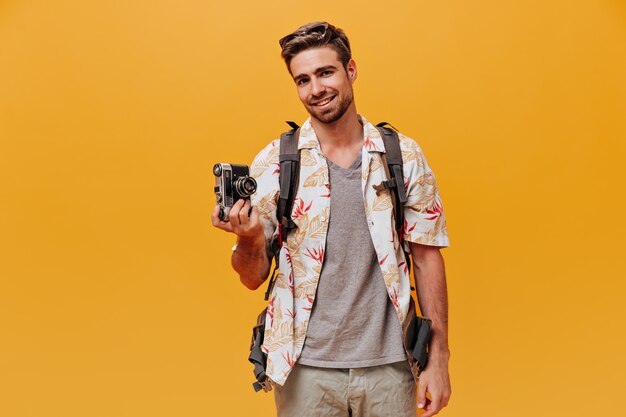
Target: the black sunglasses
pixel 320 30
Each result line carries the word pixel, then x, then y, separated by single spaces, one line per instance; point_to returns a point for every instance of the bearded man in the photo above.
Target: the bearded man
pixel 334 325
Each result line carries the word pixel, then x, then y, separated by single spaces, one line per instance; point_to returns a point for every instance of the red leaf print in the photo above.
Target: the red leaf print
pixel 277 170
pixel 382 261
pixel 270 310
pixel 290 361
pixel 299 209
pixel 326 195
pixel 317 254
pixel 437 210
pixel 408 229
pixel 310 300
pixel 394 298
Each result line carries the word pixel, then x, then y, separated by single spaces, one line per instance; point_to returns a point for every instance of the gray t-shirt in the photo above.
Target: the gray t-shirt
pixel 353 322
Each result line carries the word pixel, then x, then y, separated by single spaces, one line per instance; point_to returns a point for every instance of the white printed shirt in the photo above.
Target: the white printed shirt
pixel 302 254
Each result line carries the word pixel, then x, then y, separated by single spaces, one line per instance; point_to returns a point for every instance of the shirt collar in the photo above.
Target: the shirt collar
pixel 372 141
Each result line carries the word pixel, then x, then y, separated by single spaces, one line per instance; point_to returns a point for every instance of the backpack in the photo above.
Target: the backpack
pixel 289 159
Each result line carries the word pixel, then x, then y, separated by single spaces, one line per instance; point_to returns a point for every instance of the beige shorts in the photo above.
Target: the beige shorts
pixel 377 391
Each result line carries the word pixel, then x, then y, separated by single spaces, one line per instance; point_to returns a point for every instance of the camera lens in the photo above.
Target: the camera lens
pixel 217 170
pixel 245 186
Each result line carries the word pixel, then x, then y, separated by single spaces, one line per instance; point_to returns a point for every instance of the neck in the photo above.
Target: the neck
pixel 344 132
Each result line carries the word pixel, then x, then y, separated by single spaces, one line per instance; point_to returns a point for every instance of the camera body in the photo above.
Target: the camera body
pixel 232 182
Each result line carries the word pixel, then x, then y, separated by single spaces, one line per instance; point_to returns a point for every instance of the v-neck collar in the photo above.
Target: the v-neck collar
pixel 354 166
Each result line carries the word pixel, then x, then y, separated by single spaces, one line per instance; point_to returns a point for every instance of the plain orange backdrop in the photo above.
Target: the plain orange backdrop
pixel 116 295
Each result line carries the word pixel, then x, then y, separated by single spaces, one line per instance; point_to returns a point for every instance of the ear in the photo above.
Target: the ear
pixel 351 70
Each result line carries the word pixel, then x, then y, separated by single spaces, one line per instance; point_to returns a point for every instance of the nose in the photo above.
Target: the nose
pixel 317 87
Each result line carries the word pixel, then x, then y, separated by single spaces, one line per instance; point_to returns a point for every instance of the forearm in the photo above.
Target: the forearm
pixel 430 279
pixel 250 261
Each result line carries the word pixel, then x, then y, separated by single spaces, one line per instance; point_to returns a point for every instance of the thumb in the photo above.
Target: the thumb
pixel 421 394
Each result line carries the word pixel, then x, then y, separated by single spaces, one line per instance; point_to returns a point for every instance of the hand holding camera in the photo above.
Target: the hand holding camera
pixel 232 183
pixel 234 212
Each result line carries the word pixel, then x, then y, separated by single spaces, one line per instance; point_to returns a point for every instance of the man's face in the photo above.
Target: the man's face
pixel 324 85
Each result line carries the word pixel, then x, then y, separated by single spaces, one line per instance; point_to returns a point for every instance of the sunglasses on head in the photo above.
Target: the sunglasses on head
pixel 320 30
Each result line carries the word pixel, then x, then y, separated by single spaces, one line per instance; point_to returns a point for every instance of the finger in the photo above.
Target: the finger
pixel 433 406
pixel 215 217
pixel 244 214
pixel 233 215
pixel 445 398
pixel 421 394
pixel 254 216
pixel 426 407
pixel 220 224
pixel 239 204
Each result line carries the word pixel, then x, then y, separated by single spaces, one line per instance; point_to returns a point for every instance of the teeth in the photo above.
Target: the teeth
pixel 324 102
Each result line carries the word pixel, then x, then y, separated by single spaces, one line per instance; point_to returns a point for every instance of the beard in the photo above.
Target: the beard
pixel 334 112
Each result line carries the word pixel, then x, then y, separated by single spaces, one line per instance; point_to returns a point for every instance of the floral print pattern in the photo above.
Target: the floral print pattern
pixel 302 254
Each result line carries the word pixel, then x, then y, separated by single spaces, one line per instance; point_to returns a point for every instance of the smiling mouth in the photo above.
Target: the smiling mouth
pixel 324 102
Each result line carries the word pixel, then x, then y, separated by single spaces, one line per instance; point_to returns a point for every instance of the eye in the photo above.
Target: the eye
pixel 327 73
pixel 302 81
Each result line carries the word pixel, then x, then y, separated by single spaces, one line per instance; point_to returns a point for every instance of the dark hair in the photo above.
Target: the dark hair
pixel 316 35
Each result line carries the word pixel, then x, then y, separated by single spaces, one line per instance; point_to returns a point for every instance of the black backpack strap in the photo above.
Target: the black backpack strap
pixel 288 177
pixel 393 156
pixel 293 125
pixel 392 162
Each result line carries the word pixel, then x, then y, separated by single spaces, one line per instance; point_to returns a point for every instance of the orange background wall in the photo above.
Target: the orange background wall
pixel 116 296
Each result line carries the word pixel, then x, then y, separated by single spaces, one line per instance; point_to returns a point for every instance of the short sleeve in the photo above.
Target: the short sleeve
pixel 264 169
pixel 424 220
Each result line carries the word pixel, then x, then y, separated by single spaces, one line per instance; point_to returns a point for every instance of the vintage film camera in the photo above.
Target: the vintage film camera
pixel 232 182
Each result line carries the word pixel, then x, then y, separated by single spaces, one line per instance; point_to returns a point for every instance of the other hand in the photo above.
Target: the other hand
pixel 435 381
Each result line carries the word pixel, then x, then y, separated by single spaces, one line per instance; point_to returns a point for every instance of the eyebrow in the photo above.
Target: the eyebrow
pixel 317 71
